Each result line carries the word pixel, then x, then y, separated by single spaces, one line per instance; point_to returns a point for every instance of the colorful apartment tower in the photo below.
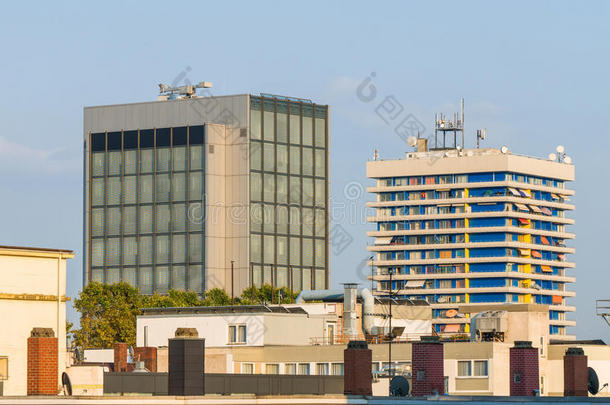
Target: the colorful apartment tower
pixel 462 228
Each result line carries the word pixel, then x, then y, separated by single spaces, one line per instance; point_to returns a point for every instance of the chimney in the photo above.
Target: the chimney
pixel 427 359
pixel 350 327
pixel 186 363
pixel 575 373
pixel 524 374
pixel 120 357
pixel 358 377
pixel 148 355
pixel 43 366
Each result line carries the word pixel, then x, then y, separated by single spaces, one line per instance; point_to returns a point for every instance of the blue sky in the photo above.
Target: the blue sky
pixel 533 73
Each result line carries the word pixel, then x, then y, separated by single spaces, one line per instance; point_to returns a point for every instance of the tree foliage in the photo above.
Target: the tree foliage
pixel 108 311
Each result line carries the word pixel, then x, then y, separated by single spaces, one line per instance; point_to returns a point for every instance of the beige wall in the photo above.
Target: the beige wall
pixel 31 282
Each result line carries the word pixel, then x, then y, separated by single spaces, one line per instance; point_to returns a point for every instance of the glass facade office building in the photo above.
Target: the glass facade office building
pixel 150 169
pixel 484 229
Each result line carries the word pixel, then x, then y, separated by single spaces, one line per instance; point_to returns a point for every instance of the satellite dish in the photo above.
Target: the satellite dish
pixel 560 149
pixel 399 386
pixel 451 313
pixel 411 141
pixel 567 159
pixel 469 153
pixel 552 156
pixel 66 384
pixel 504 150
pixel 593 382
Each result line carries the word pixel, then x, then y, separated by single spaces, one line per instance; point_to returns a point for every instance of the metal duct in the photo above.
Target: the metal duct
pixel 349 310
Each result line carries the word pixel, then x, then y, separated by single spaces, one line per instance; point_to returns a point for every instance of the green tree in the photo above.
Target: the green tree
pixel 258 296
pixel 216 297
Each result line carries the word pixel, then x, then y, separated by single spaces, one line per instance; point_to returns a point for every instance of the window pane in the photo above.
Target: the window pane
pixel 146 189
pixel 282 127
pixel 269 126
pixel 320 192
pixel 97 222
pixel 295 129
pixel 162 249
pixel 295 221
pixel 163 160
pixel 131 161
pixel 129 220
pixel 320 132
pixel 146 161
pixel 162 218
pixel 179 217
pixel 282 188
pixel 113 251
pixel 130 189
pixel 295 251
pixel 114 190
pixel 178 248
pixel 281 218
pixel 255 248
pixel 195 278
pixel 129 276
pixel 307 191
pixel 296 279
pixel 146 218
pixel 114 163
pixel 255 124
pixel 97 191
pixel 162 279
pixel 256 186
pixel 268 218
pixel 194 216
pixel 269 249
pixel 303 368
pixel 307 284
pixel 196 157
pixel 195 186
pixel 113 275
pixel 480 368
pixel 269 188
pixel 179 186
pixel 145 280
pixel 268 157
pixel 256 217
pixel 308 252
pixel 97 252
pixel 179 158
pixel 320 253
pixel 178 277
pixel 163 188
pixel 307 131
pixel 98 164
pixel 295 160
pixel 295 190
pixel 308 161
pixel 320 163
pixel 320 222
pixel 282 159
pixel 464 369
pixel 195 248
pixel 255 155
pixel 130 251
pixel 145 250
pixel 114 221
pixel 308 221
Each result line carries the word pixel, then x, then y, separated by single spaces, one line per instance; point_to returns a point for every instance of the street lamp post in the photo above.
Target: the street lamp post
pixel 391 334
pixel 232 288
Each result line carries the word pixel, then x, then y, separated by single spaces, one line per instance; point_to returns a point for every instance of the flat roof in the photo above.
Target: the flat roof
pixel 228 309
pixel 34 251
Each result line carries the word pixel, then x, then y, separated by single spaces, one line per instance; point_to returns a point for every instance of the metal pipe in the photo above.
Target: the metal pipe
pixel 232 284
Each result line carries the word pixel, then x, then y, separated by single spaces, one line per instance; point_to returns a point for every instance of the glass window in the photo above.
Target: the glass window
pixel 480 368
pixel 113 221
pixel 320 132
pixel 195 186
pixel 320 279
pixel 247 368
pixel 146 189
pixel 308 252
pixel 269 126
pixel 295 220
pixel 178 186
pixel 307 191
pixel 255 155
pixel 303 369
pixel 295 160
pixel 290 368
pixel 195 278
pixel 255 124
pixel 179 158
pixel 268 157
pixel 162 218
pixel 337 368
pixel 308 221
pixel 130 251
pixel 282 159
pixel 145 250
pixel 281 216
pixel 114 163
pixel 320 253
pixel 179 217
pixel 98 164
pixel 129 183
pixel 320 168
pixel 282 277
pixel 178 277
pixel 97 222
pixel 163 188
pixel 131 161
pixel 307 131
pixel 162 248
pixel 269 188
pixel 163 159
pixel 256 217
pixel 114 190
pixel 268 218
pixel 178 248
pixel 307 284
pixel 129 276
pixel 282 188
pixel 308 161
pixel 322 369
pixel 255 248
pixel 464 368
pixel 113 275
pixel 97 275
pixel 162 279
pixel 196 157
pixel 97 191
pixel 295 129
pixel 195 248
pixel 296 279
pixel 282 249
pixel 320 223
pixel 269 249
pixel 146 161
pixel 97 252
pixel 282 127
pixel 145 280
pixel 320 192
pixel 256 186
pixel 146 218
pixel 113 251
pixel 195 216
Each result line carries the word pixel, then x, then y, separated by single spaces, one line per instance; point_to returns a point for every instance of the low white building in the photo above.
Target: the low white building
pixel 32 295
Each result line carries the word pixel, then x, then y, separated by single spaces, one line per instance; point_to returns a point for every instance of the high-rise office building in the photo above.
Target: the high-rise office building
pixel 176 190
pixel 473 229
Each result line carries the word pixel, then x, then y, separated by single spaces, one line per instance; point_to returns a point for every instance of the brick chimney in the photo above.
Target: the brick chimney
pixel 428 372
pixel 42 362
pixel 358 377
pixel 148 355
pixel 120 357
pixel 575 373
pixel 524 372
pixel 186 363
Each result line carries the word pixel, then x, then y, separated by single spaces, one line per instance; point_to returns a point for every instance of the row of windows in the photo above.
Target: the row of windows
pixel 295 368
pixel 283 128
pixel 475 283
pixel 472 252
pixel 483 298
pixel 147 138
pixel 473 268
pixel 460 193
pixel 283 219
pixel 472 223
pixel 158 279
pixel 469 178
pixel 270 157
pixel 302 278
pixel 287 250
pixel 281 189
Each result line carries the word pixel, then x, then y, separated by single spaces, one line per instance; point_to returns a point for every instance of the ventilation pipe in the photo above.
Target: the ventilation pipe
pixel 368 303
pixel 350 328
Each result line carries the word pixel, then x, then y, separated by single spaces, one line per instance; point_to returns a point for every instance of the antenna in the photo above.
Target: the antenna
pixel 561 155
pixel 552 156
pixel 481 134
pixel 504 150
pixel 167 92
pixel 444 127
pixel 411 141
pixel 375 154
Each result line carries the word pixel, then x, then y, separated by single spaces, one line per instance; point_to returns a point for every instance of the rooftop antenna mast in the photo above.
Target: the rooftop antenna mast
pixel 187 91
pixel 444 127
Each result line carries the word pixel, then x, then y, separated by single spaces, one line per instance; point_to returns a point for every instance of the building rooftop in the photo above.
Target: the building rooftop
pixel 228 309
pixel 34 251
